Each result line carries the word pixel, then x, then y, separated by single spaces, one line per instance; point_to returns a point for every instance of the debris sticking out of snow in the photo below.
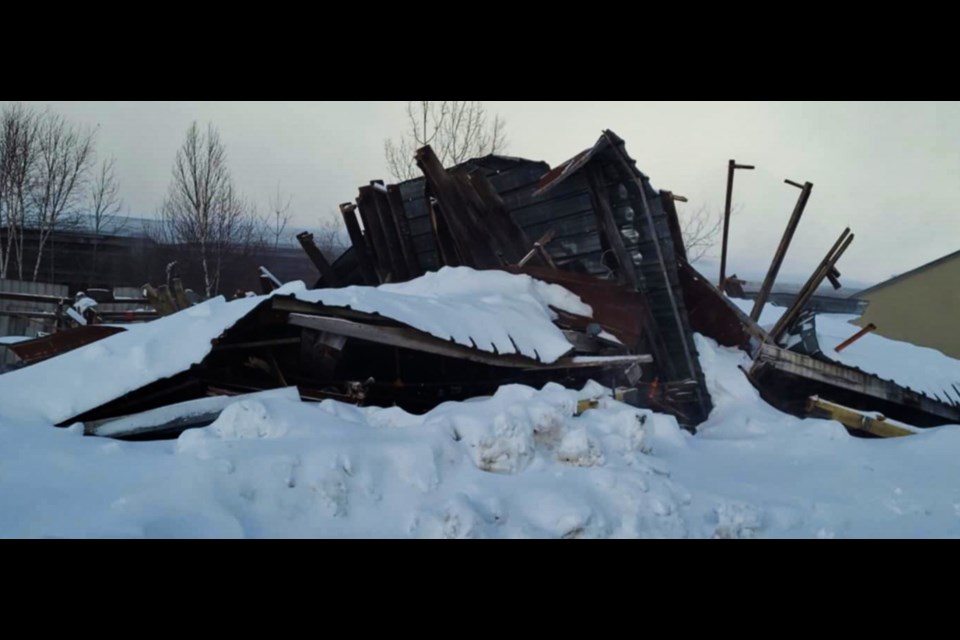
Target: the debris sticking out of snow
pixel 493 308
pixel 65 386
pixel 909 365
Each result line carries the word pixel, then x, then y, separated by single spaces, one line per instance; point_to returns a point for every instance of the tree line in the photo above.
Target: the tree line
pixel 51 181
pixel 48 178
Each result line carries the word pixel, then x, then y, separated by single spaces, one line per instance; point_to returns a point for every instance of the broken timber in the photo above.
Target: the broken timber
pixel 877 426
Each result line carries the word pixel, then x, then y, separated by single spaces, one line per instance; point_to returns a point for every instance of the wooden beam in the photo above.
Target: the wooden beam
pixel 607 224
pixel 397 210
pixel 790 315
pixel 391 235
pixel 364 259
pixel 781 251
pixel 856 420
pixel 319 261
pixel 374 231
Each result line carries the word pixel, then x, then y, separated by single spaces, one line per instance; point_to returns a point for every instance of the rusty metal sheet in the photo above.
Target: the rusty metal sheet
pixel 38 349
pixel 560 173
pixel 711 314
pixel 616 308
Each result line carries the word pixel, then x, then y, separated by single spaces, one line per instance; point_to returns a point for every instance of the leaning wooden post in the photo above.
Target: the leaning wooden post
pixel 781 252
pixel 731 167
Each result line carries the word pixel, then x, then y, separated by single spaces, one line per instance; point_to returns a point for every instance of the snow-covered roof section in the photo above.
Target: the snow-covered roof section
pixel 497 311
pixel 80 380
pixel 491 309
pixel 919 368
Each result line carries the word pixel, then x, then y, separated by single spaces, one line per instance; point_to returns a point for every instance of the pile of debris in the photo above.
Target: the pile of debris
pixel 499 270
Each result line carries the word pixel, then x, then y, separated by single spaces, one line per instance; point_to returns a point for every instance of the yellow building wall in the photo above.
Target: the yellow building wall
pixel 923 308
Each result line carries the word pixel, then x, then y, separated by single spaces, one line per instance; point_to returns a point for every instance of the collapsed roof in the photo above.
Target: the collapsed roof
pixel 495 271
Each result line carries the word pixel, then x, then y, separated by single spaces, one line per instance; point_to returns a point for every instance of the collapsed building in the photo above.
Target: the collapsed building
pixel 371 330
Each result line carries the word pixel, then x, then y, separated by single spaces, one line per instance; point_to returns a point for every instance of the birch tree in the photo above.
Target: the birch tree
pixel 18 134
pixel 64 154
pixel 104 206
pixel 203 209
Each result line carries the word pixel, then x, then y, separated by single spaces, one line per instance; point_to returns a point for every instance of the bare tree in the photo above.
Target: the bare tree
pixel 279 215
pixel 18 134
pixel 64 155
pixel 104 206
pixel 701 231
pixel 203 209
pixel 456 130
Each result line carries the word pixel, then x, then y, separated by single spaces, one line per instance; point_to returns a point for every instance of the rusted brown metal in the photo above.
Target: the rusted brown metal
pixel 731 167
pixel 616 308
pixel 859 334
pixel 39 349
pixel 781 251
pixel 713 315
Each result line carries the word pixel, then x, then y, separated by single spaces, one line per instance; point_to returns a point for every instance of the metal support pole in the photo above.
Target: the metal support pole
pixel 731 167
pixel 782 248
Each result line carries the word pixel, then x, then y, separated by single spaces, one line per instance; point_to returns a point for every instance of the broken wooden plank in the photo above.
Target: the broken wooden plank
pixel 374 231
pixel 316 256
pixel 790 315
pixel 447 250
pixel 391 235
pixel 511 238
pixel 397 210
pixel 858 421
pixel 460 207
pixel 781 251
pixel 367 270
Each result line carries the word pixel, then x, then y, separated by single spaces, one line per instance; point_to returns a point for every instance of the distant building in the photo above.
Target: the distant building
pixel 126 254
pixel 824 300
pixel 921 306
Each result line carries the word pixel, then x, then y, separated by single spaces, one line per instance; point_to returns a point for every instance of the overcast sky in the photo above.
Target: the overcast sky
pixel 889 170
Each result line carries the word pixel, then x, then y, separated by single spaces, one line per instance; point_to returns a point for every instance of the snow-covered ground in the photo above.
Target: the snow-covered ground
pixel 518 464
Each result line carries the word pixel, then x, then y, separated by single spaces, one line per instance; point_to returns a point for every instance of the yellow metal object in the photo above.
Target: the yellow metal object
pixel 583 405
pixel 853 419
